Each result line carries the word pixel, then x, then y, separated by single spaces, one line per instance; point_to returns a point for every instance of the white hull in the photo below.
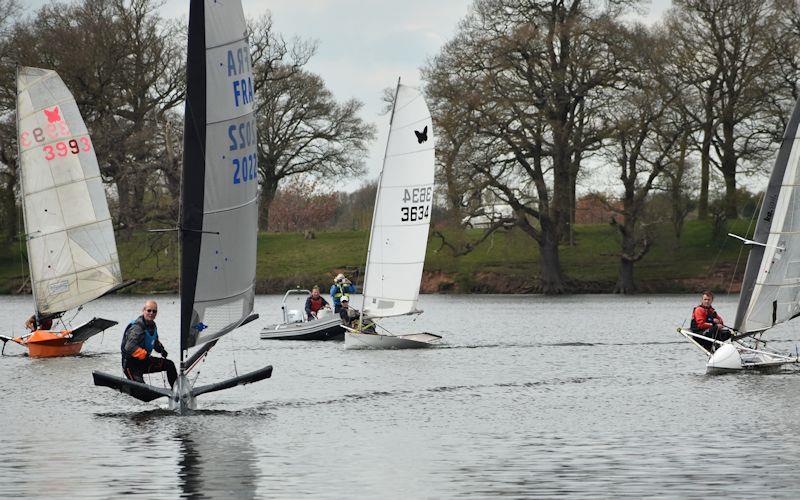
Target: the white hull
pixel 735 356
pixel 354 340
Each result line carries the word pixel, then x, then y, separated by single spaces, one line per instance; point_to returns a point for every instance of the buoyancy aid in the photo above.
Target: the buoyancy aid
pixel 711 314
pixel 316 303
pixel 149 340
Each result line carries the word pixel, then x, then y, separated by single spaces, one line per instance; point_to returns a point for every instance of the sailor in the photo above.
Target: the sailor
pixel 139 341
pixel 706 322
pixel 341 286
pixel 33 323
pixel 314 303
pixel 349 316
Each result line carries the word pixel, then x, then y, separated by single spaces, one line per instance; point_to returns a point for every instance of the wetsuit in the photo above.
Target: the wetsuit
pixel 337 290
pixel 138 343
pixel 703 323
pixel 313 305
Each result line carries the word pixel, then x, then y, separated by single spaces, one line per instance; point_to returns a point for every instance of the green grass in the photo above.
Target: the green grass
pixel 287 259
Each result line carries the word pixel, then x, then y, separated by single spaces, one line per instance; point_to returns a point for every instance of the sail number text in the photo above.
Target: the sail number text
pixel 416 204
pixel 243 136
pixel 245 169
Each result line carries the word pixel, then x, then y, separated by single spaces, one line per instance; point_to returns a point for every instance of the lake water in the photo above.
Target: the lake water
pixel 531 396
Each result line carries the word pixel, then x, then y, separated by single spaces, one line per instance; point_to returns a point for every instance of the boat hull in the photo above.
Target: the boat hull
pixel 47 344
pixel 322 329
pixel 354 340
pixel 734 357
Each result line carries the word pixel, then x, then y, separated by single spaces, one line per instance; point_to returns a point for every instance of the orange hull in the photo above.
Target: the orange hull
pixel 47 344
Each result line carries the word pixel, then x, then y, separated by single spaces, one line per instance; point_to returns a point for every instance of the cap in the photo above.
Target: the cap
pixel 345 298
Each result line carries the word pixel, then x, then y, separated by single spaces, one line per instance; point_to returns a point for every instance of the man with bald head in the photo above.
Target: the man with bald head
pixel 139 342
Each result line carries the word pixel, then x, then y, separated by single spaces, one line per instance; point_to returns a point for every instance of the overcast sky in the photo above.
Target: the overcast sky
pixel 364 46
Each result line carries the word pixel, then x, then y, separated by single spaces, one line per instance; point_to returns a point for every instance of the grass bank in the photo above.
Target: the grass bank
pixel 505 263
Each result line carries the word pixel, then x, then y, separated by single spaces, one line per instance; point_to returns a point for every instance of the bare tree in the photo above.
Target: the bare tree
pixel 729 57
pixel 301 127
pixel 643 136
pixel 529 78
pixel 9 10
pixel 124 65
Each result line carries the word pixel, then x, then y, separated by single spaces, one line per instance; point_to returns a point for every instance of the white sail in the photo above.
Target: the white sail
pixel 220 184
pixel 771 285
pixel 402 215
pixel 71 248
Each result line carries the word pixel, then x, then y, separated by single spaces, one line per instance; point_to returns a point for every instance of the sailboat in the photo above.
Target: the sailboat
pixel 400 222
pixel 219 200
pixel 72 254
pixel 770 292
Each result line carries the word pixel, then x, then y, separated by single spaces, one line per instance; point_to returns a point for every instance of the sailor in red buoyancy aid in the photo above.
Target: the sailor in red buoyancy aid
pixel 708 323
pixel 315 303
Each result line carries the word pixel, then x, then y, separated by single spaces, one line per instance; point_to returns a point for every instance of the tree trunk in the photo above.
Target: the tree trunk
pixel 552 279
pixel 728 167
pixel 731 211
pixel 625 283
pixel 268 189
pixel 705 175
pixel 124 214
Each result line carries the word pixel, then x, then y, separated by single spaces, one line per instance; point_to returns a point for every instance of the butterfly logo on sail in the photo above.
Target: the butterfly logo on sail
pixel 52 115
pixel 422 136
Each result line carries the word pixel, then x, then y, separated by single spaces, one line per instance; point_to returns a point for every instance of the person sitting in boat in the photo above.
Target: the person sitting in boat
pixel 350 317
pixel 340 287
pixel 34 323
pixel 314 303
pixel 707 322
pixel 139 341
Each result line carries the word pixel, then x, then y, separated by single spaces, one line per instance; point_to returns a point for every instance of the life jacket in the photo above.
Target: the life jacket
pixel 710 315
pixel 338 294
pixel 316 304
pixel 150 337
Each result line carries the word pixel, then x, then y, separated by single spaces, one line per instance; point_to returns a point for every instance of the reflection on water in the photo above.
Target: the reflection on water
pixel 217 459
pixel 577 399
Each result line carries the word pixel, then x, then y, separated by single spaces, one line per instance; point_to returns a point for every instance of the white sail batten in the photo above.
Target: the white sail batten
pixel 401 219
pixel 771 287
pixel 71 247
pixel 225 155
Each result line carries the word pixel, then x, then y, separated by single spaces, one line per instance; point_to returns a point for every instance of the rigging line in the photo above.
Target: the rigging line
pixel 741 247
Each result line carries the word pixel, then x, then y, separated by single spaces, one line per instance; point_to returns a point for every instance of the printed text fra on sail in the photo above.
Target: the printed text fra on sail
pixel 239 70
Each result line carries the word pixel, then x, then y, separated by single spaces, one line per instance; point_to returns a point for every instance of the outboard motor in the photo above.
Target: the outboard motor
pixel 294 316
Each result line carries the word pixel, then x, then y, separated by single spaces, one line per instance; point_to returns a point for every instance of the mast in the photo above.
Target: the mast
pixel 375 207
pixel 193 174
pixel 22 189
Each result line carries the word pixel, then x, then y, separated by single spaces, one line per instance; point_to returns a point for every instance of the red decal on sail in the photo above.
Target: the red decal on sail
pixel 52 115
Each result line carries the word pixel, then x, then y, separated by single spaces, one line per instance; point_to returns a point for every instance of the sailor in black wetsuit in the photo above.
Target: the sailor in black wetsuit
pixel 138 343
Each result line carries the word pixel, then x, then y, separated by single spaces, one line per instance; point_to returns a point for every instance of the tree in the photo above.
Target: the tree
pixel 643 135
pixel 299 206
pixel 732 43
pixel 529 78
pixel 9 10
pixel 301 127
pixel 124 65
